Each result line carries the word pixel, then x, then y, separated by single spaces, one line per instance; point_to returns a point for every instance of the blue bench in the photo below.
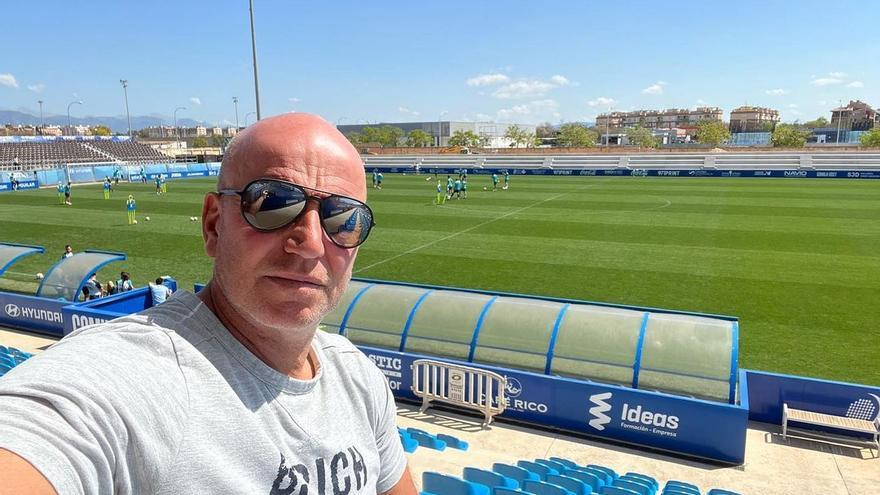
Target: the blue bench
pixel 444 484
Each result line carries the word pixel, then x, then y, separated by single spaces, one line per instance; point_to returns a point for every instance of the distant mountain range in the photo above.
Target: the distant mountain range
pixel 116 124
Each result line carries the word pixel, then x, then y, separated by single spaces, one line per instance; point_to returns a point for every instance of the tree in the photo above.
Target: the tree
pixel 545 130
pixel 789 136
pixel 218 141
pixel 200 142
pixel 642 137
pixel 370 135
pixel 574 135
pixel 712 132
pixel 464 138
pixel 354 138
pixel 418 138
pixel 819 122
pixel 390 136
pixel 101 130
pixel 520 137
pixel 871 139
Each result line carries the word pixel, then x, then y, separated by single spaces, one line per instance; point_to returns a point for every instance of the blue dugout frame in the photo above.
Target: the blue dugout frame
pixel 115 256
pixel 15 259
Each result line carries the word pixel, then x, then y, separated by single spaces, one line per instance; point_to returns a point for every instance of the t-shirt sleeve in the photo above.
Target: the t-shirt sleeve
pixel 391 456
pixel 96 413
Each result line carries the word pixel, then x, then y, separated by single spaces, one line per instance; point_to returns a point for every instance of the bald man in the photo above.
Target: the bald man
pixel 231 390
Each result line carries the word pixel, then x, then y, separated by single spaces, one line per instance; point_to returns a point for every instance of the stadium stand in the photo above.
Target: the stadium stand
pixel 29 155
pixel 129 150
pixel 10 357
pixel 539 478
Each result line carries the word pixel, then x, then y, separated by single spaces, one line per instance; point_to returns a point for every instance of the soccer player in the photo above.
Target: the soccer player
pixel 506 180
pixel 464 187
pixel 449 185
pixel 457 189
pixel 159 184
pixel 107 187
pixel 379 180
pixel 441 198
pixel 375 177
pixel 131 207
pixel 116 176
pixel 143 175
pixel 67 194
pixel 494 182
pixel 164 183
pixel 60 189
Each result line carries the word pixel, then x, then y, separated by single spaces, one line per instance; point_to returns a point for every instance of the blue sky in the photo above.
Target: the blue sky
pixel 508 61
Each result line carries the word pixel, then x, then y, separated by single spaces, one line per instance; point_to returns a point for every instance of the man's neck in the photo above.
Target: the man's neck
pixel 292 357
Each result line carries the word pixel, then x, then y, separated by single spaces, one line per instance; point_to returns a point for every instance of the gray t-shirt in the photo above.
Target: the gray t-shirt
pixel 168 401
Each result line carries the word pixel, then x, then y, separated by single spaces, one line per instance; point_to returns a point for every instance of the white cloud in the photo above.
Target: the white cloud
pixel 407 111
pixel 560 80
pixel 700 101
pixel 602 101
pixel 294 100
pixel 543 110
pixel 484 117
pixel 837 74
pixel 777 92
pixel 856 84
pixel 195 100
pixel 8 80
pixel 654 89
pixel 487 80
pixel 37 88
pixel 826 81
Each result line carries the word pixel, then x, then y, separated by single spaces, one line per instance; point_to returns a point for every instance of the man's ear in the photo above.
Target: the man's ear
pixel 211 222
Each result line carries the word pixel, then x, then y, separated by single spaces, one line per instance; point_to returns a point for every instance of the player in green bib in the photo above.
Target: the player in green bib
pixel 464 187
pixel 494 182
pixel 131 207
pixel 107 188
pixel 60 193
pixel 441 198
pixel 506 180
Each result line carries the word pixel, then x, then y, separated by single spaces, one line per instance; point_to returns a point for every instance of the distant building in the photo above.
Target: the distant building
pixel 753 119
pixel 441 131
pixel 856 116
pixel 201 131
pixel 160 132
pixel 51 130
pixel 681 118
pixel 217 131
pixel 231 131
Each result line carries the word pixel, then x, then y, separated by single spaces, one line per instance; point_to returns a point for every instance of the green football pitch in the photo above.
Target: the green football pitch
pixel 797 260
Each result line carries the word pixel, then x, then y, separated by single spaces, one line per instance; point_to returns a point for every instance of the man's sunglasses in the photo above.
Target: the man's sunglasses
pixel 270 204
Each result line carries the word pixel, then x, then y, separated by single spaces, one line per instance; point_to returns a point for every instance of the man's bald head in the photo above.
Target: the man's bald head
pixel 302 142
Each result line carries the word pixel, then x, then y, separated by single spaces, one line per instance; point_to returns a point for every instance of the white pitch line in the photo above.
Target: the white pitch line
pixel 450 236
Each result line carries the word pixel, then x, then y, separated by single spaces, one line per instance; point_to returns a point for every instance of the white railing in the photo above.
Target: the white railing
pixel 462 386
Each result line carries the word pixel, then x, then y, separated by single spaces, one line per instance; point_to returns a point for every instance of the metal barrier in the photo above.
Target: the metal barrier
pixel 463 386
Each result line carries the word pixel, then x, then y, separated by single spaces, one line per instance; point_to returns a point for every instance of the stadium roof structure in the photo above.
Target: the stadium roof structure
pixel 689 354
pixel 66 279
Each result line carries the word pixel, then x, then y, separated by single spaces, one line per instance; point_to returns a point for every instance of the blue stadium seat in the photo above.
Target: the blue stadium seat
pixel 615 490
pixel 640 488
pixel 587 477
pixel 443 484
pixel 682 487
pixel 409 443
pixel 552 464
pixel 539 469
pixel 602 474
pixel 672 490
pixel 568 463
pixel 608 471
pixel 719 491
pixel 509 491
pixel 4 368
pixel 453 442
pixel 514 472
pixel 489 478
pixel 427 440
pixel 573 485
pixel 544 488
pixel 7 360
pixel 644 477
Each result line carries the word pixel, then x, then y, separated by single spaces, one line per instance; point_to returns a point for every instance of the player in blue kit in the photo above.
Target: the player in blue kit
pixel 107 187
pixel 131 208
pixel 494 182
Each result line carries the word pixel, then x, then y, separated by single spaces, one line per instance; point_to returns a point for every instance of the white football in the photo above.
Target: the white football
pixel 147 218
pixel 38 276
pixel 135 221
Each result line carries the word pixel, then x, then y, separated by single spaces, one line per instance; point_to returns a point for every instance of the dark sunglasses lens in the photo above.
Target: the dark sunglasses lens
pixel 270 205
pixel 347 221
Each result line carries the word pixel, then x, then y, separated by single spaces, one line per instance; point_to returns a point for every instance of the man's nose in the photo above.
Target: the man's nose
pixel 305 236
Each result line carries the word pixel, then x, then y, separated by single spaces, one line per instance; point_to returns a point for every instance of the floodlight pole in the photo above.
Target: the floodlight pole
pixel 177 129
pixel 235 102
pixel 254 51
pixel 42 125
pixel 69 129
pixel 839 118
pixel 124 83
